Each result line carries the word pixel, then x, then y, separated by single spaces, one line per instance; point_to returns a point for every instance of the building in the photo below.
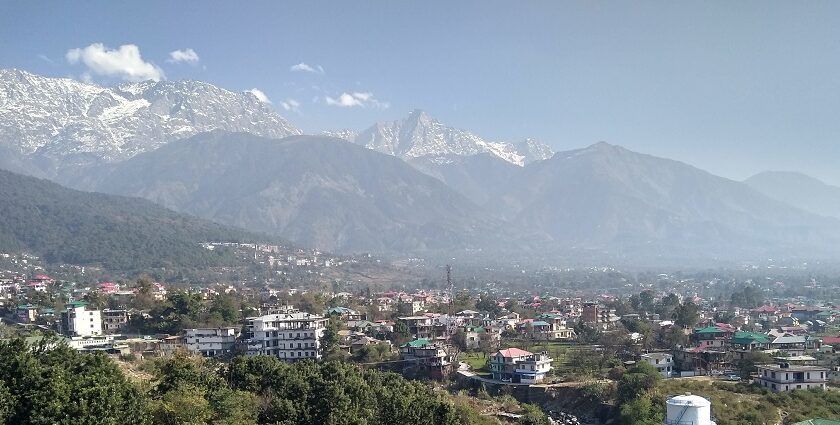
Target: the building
pixel 426 357
pixel 210 342
pixel 594 314
pixel 786 377
pixel 26 313
pixel 78 320
pixel 552 327
pixel 519 366
pixel 289 335
pixel 663 362
pixel 113 321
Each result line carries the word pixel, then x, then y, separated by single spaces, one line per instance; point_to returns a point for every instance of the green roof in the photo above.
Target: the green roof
pixel 540 323
pixel 750 338
pixel 709 330
pixel 818 422
pixel 417 343
pixel 26 307
pixel 75 304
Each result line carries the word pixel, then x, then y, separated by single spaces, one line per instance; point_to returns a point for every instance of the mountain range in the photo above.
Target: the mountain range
pixel 800 190
pixel 405 187
pixel 69 226
pixel 422 137
pixel 59 122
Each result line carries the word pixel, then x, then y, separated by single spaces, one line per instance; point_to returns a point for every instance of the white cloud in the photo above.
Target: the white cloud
pixel 354 99
pixel 259 95
pixel 302 67
pixel 290 105
pixel 124 62
pixel 186 55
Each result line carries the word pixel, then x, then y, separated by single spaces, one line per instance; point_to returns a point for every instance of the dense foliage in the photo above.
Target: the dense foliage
pixel 68 226
pixel 53 384
pixel 42 385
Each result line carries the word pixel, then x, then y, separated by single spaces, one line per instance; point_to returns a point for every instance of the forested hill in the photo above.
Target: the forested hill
pixel 116 232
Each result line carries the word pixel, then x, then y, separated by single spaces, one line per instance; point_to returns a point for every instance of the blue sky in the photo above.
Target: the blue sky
pixel 731 87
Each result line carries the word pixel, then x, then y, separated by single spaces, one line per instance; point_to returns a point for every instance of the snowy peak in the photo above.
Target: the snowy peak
pixel 57 117
pixel 419 135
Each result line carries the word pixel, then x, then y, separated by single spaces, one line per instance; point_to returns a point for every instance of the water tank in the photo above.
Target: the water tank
pixel 688 410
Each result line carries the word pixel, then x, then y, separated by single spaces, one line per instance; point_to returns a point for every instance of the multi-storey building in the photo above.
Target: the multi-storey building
pixel 210 342
pixel 289 335
pixel 594 314
pixel 519 366
pixel 427 357
pixel 78 320
pixel 786 377
pixel 113 321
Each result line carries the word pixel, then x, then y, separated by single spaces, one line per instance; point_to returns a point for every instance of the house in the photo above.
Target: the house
pixel 291 335
pixel 79 320
pixel 519 366
pixel 716 336
pixel 26 313
pixel 346 314
pixel 663 362
pixel 790 344
pixel 552 327
pixel 210 342
pixel 749 341
pixel 786 377
pixel 426 357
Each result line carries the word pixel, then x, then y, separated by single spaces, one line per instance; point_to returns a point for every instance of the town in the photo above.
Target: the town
pixel 542 348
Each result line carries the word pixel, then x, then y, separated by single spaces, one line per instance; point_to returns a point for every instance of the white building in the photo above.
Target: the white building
pixel 663 362
pixel 786 377
pixel 519 366
pixel 289 335
pixel 210 342
pixel 78 320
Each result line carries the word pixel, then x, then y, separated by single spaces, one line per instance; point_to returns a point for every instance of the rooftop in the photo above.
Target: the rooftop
pixel 793 368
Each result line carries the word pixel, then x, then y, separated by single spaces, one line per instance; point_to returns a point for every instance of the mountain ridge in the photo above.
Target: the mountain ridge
pixel 61 117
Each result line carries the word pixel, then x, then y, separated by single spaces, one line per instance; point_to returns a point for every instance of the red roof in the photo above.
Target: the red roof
pixel 513 352
pixel 765 309
pixel 42 277
pixel 831 340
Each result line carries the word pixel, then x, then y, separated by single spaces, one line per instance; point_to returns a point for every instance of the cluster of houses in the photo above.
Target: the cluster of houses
pixel 786 333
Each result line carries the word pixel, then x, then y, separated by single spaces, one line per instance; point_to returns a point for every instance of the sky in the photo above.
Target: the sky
pixel 731 87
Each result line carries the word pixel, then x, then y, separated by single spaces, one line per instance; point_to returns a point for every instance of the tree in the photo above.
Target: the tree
pixel 686 315
pixel 639 379
pixel 330 347
pixel 532 415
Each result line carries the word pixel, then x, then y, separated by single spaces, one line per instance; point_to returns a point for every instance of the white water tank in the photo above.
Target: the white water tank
pixel 688 410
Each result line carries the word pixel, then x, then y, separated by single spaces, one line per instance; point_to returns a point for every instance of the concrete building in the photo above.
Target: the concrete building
pixel 663 362
pixel 290 335
pixel 78 320
pixel 113 321
pixel 210 342
pixel 519 366
pixel 786 377
pixel 426 358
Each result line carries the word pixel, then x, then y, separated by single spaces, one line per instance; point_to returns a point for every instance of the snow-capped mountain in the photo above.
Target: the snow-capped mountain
pixel 59 117
pixel 421 136
pixel 345 134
